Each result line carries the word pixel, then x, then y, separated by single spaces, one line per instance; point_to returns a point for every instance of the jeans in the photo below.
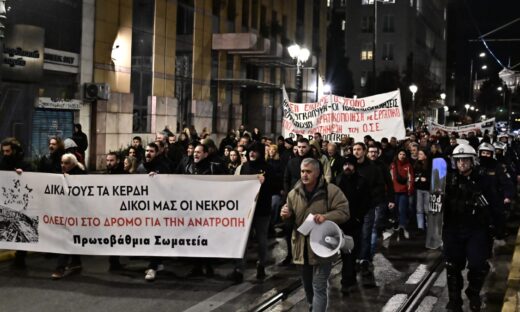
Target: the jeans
pixel 315 279
pixel 366 235
pixel 276 201
pixel 402 200
pixel 379 221
pixel 423 202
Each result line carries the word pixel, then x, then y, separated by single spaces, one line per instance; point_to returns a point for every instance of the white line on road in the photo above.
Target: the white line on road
pixel 441 280
pixel 220 298
pixel 418 275
pixel 394 303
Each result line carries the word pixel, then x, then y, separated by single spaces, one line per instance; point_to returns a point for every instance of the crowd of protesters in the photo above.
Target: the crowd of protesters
pixel 387 184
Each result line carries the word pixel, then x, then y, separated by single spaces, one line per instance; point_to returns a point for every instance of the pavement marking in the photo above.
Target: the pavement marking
pixel 394 303
pixel 290 302
pixel 427 304
pixel 418 275
pixel 221 298
pixel 441 280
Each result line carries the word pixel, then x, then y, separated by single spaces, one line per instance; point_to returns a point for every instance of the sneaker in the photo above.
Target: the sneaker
pixel 260 272
pixel 58 274
pixel 150 275
pixel 406 234
pixel 236 277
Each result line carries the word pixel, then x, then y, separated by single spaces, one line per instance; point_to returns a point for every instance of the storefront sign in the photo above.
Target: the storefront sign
pixel 61 61
pixel 55 103
pixel 23 53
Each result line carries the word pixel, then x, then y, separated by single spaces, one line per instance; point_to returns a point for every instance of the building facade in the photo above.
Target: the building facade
pixel 161 63
pixel 410 47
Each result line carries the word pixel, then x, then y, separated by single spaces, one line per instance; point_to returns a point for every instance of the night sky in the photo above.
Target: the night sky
pixel 468 19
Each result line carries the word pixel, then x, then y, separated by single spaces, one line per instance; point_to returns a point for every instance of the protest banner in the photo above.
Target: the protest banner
pixel 335 117
pixel 132 215
pixel 488 124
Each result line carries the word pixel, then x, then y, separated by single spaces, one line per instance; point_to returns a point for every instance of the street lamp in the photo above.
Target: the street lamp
pixel 413 88
pixel 301 55
pixel 446 109
pixel 327 89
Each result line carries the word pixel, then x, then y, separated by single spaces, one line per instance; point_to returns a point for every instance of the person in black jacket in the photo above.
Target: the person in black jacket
pixel 355 188
pixel 81 139
pixel 153 164
pixel 51 163
pixel 257 165
pixel 376 183
pixel 12 160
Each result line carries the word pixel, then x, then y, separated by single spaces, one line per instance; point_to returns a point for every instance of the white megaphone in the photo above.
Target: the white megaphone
pixel 327 239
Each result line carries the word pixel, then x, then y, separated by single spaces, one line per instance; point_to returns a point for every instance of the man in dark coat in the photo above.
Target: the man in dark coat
pixel 355 188
pixel 51 163
pixel 81 139
pixel 257 165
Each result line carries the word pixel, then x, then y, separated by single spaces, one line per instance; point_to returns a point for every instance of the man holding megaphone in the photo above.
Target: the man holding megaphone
pixel 313 195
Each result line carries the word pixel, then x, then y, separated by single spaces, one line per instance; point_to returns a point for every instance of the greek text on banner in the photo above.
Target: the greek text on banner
pixel 335 117
pixel 140 215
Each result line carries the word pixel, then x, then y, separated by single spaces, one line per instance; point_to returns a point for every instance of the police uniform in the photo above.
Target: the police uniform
pixel 467 220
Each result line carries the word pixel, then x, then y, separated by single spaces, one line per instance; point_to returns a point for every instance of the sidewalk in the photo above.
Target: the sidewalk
pixel 512 295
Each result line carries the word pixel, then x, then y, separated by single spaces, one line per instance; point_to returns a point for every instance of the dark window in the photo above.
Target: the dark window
pixel 185 18
pixel 316 25
pixel 254 14
pixel 245 13
pixel 388 51
pixel 54 16
pixel 367 24
pixel 388 23
pixel 142 48
pixel 300 17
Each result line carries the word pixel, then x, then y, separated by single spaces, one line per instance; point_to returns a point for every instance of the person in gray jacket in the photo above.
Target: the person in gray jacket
pixel 312 194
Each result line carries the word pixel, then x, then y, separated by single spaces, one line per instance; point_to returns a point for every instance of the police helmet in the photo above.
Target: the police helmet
pixel 503 135
pixel 486 147
pixel 463 151
pixel 500 146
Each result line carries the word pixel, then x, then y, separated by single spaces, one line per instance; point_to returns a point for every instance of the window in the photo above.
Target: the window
pixel 343 3
pixel 388 23
pixel 419 6
pixel 328 3
pixel 388 51
pixel 343 25
pixel 367 24
pixel 366 52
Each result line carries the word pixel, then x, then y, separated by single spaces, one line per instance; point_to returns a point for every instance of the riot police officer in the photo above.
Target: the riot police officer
pixel 467 221
pixel 497 182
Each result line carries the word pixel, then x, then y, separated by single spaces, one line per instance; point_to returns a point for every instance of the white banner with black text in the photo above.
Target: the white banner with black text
pixel 335 117
pixel 131 215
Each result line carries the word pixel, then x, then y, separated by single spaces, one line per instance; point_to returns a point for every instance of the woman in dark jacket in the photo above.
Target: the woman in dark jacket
pixel 69 166
pixel 422 172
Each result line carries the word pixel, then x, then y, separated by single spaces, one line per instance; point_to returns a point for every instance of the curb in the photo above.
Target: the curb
pixel 6 255
pixel 512 295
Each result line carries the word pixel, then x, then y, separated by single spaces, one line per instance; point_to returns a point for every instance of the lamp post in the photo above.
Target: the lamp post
pixel 472 81
pixel 467 106
pixel 301 55
pixel 445 108
pixel 413 88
